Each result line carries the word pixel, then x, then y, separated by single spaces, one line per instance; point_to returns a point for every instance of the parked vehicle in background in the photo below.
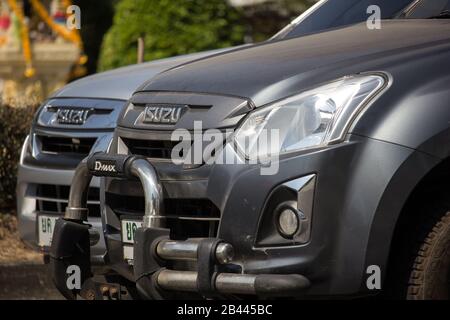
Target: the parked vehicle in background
pixel 76 121
pixel 79 120
pixel 358 201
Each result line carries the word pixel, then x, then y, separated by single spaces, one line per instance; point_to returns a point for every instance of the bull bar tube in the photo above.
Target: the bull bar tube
pixel 153 247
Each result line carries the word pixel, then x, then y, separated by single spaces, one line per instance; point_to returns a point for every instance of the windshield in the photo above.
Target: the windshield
pixel 426 9
pixel 328 14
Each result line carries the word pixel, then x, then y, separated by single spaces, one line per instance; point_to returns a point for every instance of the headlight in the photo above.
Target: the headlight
pixel 311 119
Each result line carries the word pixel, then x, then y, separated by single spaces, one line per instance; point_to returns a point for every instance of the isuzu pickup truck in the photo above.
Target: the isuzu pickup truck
pixel 328 176
pixel 79 120
pixel 74 122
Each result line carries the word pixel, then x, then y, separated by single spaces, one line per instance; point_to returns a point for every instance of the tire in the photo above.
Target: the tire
pixel 429 271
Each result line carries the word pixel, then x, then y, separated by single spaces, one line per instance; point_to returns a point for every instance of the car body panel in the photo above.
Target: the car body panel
pixel 313 60
pixel 268 72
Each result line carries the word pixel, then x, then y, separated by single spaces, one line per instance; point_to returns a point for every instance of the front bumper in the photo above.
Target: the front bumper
pixel 27 211
pixel 351 180
pixel 30 176
pixel 153 244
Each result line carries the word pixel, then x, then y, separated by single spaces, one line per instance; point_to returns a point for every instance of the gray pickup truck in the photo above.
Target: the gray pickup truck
pixel 79 120
pixel 76 121
pixel 329 173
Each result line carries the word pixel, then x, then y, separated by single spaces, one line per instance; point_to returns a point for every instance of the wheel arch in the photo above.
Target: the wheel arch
pixel 417 174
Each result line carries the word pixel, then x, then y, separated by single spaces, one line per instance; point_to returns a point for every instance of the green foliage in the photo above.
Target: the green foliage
pixel 295 7
pixel 169 28
pixel 266 19
pixel 14 127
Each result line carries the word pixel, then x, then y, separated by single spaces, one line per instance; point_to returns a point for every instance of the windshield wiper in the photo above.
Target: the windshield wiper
pixel 443 15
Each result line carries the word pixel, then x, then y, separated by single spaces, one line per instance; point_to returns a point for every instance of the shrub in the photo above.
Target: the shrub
pixel 267 18
pixel 169 28
pixel 14 127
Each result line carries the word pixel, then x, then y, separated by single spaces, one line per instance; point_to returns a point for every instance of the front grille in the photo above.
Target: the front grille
pixel 155 149
pixel 60 145
pixel 186 218
pixel 53 199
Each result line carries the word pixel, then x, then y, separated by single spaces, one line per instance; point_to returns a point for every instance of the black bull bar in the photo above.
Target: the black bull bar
pixel 153 247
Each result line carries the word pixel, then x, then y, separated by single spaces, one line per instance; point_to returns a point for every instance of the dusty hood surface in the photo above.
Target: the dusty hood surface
pixel 271 71
pixel 121 83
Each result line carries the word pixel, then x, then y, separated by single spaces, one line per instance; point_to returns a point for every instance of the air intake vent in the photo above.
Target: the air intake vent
pixel 53 199
pixel 60 145
pixel 155 149
pixel 185 217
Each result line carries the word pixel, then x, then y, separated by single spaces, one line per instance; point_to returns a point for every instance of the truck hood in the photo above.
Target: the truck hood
pixel 122 82
pixel 270 71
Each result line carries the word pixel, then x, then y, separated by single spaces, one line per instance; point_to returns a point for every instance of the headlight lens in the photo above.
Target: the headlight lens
pixel 311 119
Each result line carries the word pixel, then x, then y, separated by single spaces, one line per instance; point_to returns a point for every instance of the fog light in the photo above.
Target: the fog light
pixel 288 222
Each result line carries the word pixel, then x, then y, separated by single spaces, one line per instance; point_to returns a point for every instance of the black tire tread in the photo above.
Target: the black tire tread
pixel 432 250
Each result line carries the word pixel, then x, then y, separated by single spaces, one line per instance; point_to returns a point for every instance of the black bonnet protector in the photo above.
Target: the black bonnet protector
pixel 172 110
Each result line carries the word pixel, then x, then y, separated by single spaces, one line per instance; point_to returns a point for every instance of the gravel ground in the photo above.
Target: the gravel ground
pixel 26 282
pixel 12 250
pixel 23 275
